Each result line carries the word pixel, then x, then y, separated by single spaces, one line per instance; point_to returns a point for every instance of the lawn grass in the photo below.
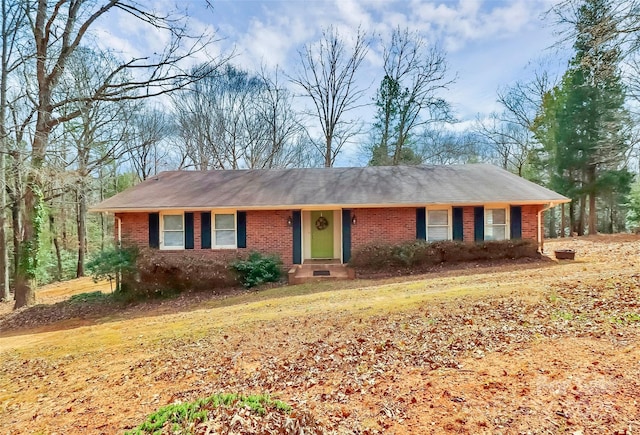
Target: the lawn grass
pixel 363 297
pixel 162 346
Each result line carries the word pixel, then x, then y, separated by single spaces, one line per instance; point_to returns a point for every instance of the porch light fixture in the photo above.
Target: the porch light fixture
pixel 354 220
pixel 289 221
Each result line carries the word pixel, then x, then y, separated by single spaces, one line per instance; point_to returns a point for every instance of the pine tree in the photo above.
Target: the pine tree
pixel 582 122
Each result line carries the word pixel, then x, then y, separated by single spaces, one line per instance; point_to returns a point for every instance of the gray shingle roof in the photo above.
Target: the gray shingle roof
pixel 471 184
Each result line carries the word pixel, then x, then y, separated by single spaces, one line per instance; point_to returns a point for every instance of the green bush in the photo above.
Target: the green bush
pixel 91 298
pixel 108 264
pixel 182 418
pixel 258 269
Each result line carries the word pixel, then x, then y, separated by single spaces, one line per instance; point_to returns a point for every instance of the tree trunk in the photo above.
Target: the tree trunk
pixel 552 224
pixel 56 245
pixel 63 223
pixel 26 277
pixel 102 222
pixel 573 224
pixel 82 230
pixel 16 213
pixel 5 291
pixel 582 214
pixel 563 221
pixel 593 212
pixel 327 151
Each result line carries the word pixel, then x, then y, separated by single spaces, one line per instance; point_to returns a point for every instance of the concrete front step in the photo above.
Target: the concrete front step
pixel 302 273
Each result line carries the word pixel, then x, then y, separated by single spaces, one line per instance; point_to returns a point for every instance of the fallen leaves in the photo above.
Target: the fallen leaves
pixel 561 358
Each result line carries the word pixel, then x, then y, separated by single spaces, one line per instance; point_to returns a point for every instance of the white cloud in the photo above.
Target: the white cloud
pixel 470 20
pixel 488 41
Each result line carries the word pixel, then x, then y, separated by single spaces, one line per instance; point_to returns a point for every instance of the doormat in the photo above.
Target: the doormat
pixel 321 273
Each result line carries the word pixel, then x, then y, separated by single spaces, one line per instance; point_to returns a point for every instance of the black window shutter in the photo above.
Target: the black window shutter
pixel 346 235
pixel 154 230
pixel 188 231
pixel 516 222
pixel 421 223
pixel 478 226
pixel 241 218
pixel 458 224
pixel 297 236
pixel 205 230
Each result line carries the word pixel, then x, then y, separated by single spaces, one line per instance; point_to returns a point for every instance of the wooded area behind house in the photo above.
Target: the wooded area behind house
pixel 80 122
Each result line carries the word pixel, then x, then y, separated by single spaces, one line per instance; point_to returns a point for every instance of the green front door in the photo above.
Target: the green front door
pixel 321 234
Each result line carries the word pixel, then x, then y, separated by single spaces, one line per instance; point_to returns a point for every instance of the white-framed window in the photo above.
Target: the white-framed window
pixel 172 231
pixel 438 225
pixel 496 223
pixel 224 230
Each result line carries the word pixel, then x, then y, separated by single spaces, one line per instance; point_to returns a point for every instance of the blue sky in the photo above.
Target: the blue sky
pixel 489 43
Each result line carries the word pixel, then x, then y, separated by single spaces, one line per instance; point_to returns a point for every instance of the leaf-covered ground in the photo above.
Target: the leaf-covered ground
pixel 550 347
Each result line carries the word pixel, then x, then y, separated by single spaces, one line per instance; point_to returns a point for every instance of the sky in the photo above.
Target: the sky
pixel 489 44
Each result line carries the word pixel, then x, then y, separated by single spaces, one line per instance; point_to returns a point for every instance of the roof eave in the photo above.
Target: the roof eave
pixel 552 203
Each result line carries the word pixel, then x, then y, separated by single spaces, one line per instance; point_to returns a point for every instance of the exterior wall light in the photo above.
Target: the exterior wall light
pixel 289 221
pixel 354 220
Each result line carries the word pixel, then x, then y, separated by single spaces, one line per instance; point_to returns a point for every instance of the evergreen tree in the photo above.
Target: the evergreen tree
pixel 582 123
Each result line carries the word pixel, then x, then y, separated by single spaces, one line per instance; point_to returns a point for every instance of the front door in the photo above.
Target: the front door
pixel 321 234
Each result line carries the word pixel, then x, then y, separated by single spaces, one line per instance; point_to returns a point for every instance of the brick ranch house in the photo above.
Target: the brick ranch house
pixel 326 213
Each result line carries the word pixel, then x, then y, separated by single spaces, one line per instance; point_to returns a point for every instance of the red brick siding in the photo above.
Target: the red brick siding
pixel 268 232
pixel 530 221
pixel 197 224
pixel 135 228
pixel 390 225
pixel 468 224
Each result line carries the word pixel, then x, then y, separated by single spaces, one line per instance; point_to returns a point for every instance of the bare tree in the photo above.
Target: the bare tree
pixel 58 29
pixel 148 130
pixel 12 27
pixel 282 129
pixel 438 146
pixel 217 120
pixel 408 96
pixel 510 133
pixel 236 119
pixel 328 77
pixel 98 134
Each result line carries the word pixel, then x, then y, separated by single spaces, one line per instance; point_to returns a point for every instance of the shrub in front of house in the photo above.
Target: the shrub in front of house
pixel 419 254
pixel 258 269
pixel 160 273
pixel 112 263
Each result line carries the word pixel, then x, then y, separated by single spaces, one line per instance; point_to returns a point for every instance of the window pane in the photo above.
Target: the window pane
pixel 225 222
pixel 225 238
pixel 173 239
pixel 172 222
pixel 438 217
pixel 497 216
pixel 438 233
pixel 497 232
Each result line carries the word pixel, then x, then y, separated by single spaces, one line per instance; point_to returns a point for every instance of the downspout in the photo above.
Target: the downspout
pixel 119 273
pixel 119 220
pixel 540 232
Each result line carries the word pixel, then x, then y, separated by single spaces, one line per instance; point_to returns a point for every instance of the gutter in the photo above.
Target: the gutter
pixel 540 231
pixel 119 231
